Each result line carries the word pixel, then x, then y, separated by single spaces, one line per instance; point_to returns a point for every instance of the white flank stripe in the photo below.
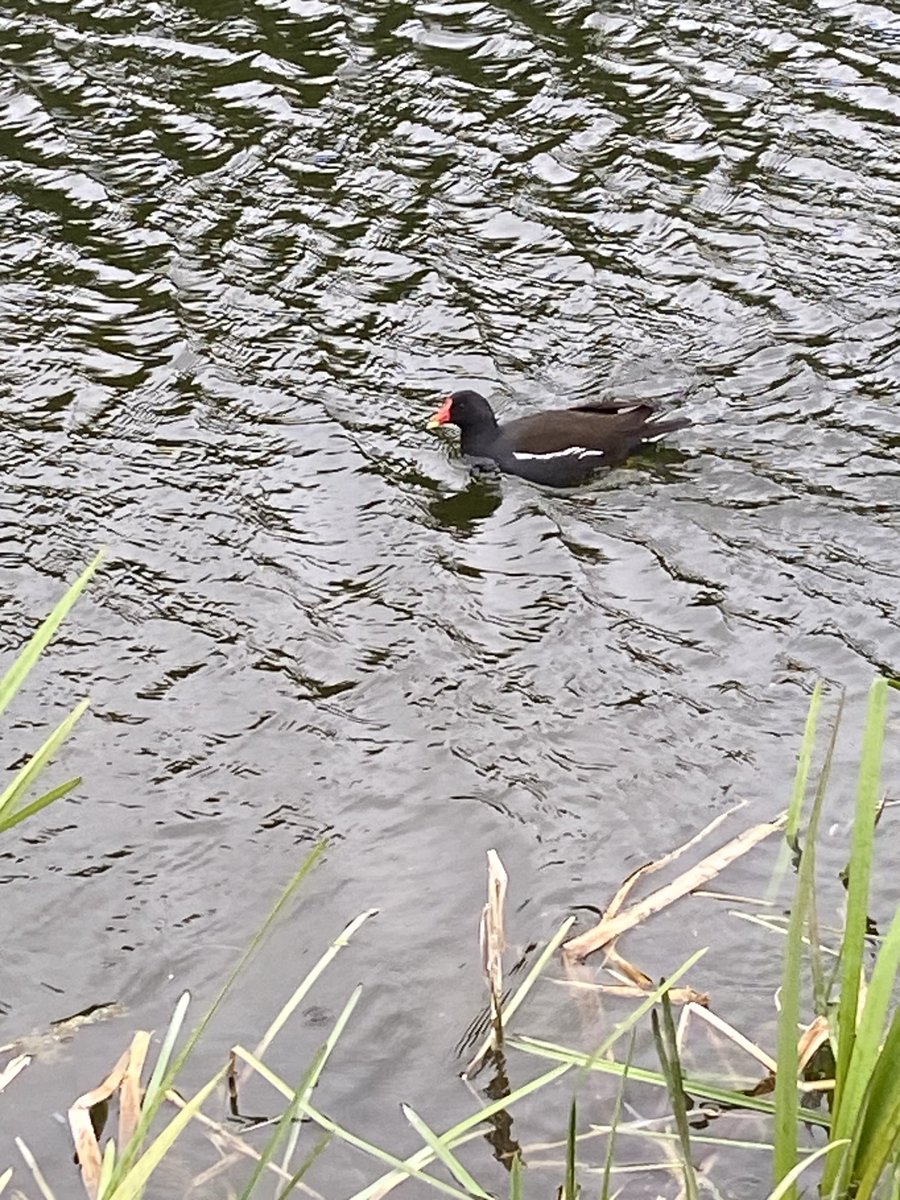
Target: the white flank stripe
pixel 569 452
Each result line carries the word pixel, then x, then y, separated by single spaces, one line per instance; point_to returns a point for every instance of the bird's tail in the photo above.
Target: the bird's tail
pixel 657 429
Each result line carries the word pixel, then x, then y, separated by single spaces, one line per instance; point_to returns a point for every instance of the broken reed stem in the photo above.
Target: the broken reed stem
pixel 493 941
pixel 125 1078
pixel 130 1091
pixel 14 1067
pixel 610 927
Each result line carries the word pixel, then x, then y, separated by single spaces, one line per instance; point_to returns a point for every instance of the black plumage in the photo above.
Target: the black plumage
pixel 560 447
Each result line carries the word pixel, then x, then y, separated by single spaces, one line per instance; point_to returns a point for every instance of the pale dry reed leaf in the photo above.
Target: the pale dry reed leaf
pixel 679 996
pixel 107 1088
pixel 493 939
pixel 36 1173
pixel 14 1067
pixel 649 868
pixel 612 927
pixel 238 1146
pixel 87 1148
pixel 518 998
pixel 811 1039
pixel 224 1164
pixel 734 1035
pixel 734 898
pixel 130 1095
pixel 618 965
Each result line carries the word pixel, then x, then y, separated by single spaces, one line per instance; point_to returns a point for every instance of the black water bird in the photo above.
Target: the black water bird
pixel 560 447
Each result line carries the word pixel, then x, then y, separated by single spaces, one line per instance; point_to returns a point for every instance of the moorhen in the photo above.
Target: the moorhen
pixel 560 447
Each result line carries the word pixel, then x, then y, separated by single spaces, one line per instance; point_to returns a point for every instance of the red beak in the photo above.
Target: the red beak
pixel 442 416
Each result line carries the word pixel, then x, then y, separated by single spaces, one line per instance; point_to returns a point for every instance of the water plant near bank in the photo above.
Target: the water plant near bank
pixel 826 1105
pixel 14 805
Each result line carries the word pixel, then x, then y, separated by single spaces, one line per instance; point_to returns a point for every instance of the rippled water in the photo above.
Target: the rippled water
pixel 245 246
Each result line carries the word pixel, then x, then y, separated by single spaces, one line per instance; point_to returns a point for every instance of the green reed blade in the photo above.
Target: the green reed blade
pixel 804 762
pixel 132 1184
pixel 854 939
pixel 616 1117
pixel 667 1049
pixel 23 779
pixel 18 672
pixel 286 1121
pixel 444 1154
pixel 128 1154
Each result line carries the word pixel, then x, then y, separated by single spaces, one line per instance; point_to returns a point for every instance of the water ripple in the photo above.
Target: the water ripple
pixel 246 248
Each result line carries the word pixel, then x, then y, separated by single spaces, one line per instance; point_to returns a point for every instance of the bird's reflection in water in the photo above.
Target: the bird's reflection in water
pixel 466 509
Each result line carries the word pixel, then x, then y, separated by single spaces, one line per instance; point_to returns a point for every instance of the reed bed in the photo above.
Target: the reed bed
pixel 820 1107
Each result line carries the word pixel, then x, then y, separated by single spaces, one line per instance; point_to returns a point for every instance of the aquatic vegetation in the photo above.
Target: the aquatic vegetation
pixel 854 1034
pixel 13 805
pixel 832 1075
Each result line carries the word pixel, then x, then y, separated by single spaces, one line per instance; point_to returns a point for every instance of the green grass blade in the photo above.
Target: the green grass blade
pixel 707 1091
pixel 106 1167
pixel 165 1051
pixel 667 1049
pixel 523 989
pixel 877 1127
pixel 24 778
pixel 614 1121
pixel 132 1185
pixel 405 1169
pixel 127 1154
pixel 725 1144
pixel 22 814
pixel 446 1156
pixel 311 976
pixel 263 1071
pixel 820 984
pixel 786 1099
pixel 570 1188
pixel 880 1151
pixel 18 672
pixel 287 1119
pixel 300 1097
pixel 854 940
pixel 515 1177
pixel 330 1043
pixel 801 776
pixel 317 1149
pixel 787 1184
pixel 452 1136
pixel 653 998
pixel 864 1087
pixel 457 1135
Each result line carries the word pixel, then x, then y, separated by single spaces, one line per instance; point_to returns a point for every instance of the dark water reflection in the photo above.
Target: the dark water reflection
pixel 245 246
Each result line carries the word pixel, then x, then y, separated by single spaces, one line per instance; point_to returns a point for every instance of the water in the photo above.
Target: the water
pixel 245 247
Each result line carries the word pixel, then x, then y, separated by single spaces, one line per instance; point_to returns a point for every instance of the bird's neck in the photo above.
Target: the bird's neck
pixel 475 438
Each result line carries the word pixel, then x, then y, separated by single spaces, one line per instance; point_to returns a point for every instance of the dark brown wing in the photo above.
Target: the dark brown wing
pixel 612 407
pixel 613 429
pixel 631 418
